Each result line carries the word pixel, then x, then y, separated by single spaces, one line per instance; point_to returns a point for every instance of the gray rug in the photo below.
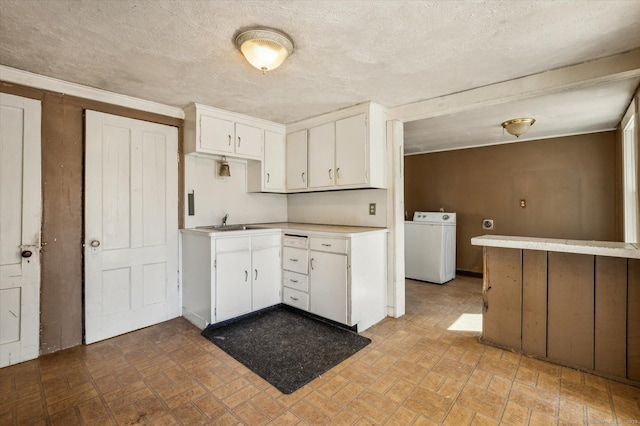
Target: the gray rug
pixel 284 346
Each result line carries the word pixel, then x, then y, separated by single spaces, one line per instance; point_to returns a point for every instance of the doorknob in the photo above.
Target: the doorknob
pixel 95 243
pixel 27 253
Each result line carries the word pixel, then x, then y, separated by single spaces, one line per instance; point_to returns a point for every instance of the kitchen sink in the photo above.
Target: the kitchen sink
pixel 226 228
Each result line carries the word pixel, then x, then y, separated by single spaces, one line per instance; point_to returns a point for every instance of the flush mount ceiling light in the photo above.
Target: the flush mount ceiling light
pixel 518 126
pixel 265 49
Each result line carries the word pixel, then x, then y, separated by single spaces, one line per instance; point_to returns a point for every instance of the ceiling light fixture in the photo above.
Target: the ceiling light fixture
pixel 265 49
pixel 518 126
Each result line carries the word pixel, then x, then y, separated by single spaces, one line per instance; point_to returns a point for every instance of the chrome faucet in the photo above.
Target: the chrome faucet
pixel 224 219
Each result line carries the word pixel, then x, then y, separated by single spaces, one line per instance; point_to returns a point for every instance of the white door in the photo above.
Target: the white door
pixel 248 140
pixel 351 150
pixel 274 155
pixel 233 284
pixel 267 277
pixel 328 285
pixel 20 219
pixel 131 225
pixel 296 154
pixel 216 134
pixel 322 155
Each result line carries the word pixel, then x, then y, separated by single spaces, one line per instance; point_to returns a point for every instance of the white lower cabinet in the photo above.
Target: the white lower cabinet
pixel 345 279
pixel 225 276
pixel 295 265
pixel 328 276
pixel 266 277
pixel 233 285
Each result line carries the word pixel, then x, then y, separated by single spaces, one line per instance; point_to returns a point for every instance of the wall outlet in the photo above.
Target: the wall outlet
pixel 372 208
pixel 487 223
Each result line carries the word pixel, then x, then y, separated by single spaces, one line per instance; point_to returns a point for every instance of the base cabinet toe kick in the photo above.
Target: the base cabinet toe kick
pixel 580 310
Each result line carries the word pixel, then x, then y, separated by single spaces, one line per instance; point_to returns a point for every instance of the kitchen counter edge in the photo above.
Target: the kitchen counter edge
pixel 309 229
pixel 590 247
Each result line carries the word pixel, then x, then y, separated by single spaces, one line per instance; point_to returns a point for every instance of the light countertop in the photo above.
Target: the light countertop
pixel 301 228
pixel 597 248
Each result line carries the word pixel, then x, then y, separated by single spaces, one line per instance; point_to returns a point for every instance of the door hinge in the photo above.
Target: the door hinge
pixel 178 155
pixel 215 263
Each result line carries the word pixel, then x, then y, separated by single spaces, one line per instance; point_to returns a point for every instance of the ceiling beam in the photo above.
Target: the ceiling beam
pixel 612 68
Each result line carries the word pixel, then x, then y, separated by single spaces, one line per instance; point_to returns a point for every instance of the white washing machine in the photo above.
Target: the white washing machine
pixel 430 247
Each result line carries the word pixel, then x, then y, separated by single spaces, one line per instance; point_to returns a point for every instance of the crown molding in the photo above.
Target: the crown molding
pixel 25 78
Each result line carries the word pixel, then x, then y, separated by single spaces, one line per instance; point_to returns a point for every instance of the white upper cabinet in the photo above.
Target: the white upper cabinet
pixel 213 131
pixel 274 161
pixel 322 155
pixel 248 140
pixel 296 164
pixel 347 149
pixel 351 151
pixel 216 135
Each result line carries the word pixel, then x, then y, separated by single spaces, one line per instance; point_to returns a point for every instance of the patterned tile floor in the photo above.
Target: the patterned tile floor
pixel 416 372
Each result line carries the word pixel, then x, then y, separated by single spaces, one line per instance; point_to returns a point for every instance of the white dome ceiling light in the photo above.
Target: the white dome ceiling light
pixel 518 126
pixel 265 49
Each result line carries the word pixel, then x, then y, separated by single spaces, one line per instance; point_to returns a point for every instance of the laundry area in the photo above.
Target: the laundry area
pixel 430 247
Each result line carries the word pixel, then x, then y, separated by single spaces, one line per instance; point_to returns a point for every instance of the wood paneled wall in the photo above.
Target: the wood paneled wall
pixel 574 309
pixel 61 294
pixel 571 186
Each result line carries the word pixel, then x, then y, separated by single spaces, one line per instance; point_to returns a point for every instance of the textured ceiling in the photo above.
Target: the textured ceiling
pixel 346 52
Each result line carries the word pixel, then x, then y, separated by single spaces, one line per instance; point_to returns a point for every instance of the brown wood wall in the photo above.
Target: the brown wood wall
pixel 61 305
pixel 577 310
pixel 571 186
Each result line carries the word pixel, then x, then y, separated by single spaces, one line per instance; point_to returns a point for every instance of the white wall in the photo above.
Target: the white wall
pixel 339 207
pixel 215 197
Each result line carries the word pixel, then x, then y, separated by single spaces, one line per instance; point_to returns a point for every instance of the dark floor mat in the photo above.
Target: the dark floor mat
pixel 285 347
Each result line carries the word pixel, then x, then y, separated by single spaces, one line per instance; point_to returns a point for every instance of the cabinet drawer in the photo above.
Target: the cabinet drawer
pixel 233 244
pixel 260 241
pixel 333 245
pixel 295 259
pixel 292 241
pixel 295 298
pixel 294 280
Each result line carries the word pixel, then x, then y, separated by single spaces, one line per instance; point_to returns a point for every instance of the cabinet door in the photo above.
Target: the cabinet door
pixel 328 286
pixel 297 160
pixel 267 276
pixel 322 155
pixel 233 284
pixel 274 157
pixel 216 135
pixel 248 140
pixel 351 150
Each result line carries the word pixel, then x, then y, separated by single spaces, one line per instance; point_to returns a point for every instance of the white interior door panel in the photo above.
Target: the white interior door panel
pixel 131 225
pixel 20 224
